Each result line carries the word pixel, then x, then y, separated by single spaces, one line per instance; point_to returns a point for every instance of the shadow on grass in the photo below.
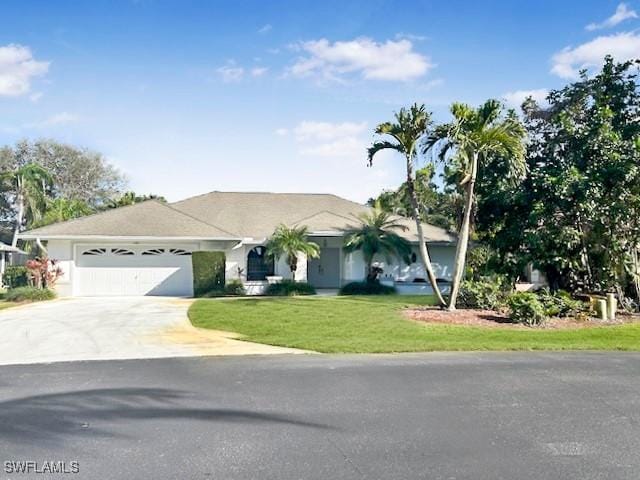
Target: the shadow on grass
pixel 49 419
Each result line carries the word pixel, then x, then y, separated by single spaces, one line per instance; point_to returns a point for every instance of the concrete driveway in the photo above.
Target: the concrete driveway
pixel 111 328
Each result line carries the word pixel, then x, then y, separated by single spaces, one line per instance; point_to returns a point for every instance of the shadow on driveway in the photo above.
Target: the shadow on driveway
pixel 52 417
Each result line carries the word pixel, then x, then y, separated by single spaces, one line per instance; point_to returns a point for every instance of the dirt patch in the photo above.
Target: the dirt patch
pixel 215 342
pixel 491 319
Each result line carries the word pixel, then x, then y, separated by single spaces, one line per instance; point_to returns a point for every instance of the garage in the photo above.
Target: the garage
pixel 133 270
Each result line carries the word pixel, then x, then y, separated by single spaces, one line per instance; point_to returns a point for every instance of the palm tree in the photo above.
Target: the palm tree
pixel 131 198
pixel 291 242
pixel 473 138
pixel 62 209
pixel 29 185
pixel 375 236
pixel 407 133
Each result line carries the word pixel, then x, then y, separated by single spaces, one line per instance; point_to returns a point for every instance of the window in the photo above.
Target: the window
pixel 178 251
pixel 95 251
pixel 153 251
pixel 259 266
pixel 121 251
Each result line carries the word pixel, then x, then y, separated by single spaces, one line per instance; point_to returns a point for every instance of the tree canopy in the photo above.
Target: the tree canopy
pixel 576 215
pixel 43 182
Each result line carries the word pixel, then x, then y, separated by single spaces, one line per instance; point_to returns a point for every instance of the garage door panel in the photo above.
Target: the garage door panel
pixel 105 271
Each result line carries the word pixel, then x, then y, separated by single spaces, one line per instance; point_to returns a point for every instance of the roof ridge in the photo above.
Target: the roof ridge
pixel 323 211
pixel 199 220
pixel 255 192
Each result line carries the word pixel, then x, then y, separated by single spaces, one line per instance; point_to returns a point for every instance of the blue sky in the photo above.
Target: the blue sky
pixel 188 97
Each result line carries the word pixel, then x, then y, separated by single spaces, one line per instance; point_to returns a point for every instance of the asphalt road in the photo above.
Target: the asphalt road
pixel 512 416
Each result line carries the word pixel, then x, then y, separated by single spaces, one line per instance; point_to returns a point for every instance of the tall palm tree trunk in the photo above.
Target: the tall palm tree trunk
pixel 19 219
pixel 463 237
pixel 293 266
pixel 424 253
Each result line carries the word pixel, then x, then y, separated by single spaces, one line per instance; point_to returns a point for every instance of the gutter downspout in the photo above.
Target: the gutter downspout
pixel 41 247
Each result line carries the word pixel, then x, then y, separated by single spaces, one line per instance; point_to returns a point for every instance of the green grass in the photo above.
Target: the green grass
pixel 374 325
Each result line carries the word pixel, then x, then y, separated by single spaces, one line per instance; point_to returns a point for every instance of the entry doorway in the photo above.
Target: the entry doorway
pixel 324 272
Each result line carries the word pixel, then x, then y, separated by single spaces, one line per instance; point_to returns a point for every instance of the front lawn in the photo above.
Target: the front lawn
pixel 375 325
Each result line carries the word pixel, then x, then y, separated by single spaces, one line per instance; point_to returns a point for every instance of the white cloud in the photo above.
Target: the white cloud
pixel 514 99
pixel 35 97
pixel 258 71
pixel 17 69
pixel 325 139
pixel 265 28
pixel 391 60
pixel 230 72
pixel 410 36
pixel 621 14
pixel 622 46
pixel 58 119
pixel 308 130
pixel 282 132
pixel 342 147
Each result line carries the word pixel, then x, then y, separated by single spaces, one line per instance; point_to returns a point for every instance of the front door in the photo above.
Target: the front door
pixel 324 272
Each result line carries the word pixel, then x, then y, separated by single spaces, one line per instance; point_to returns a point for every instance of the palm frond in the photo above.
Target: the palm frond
pixel 382 145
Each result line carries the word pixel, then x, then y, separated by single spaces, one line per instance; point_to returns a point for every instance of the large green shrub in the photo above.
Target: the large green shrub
pixel 29 294
pixel 290 288
pixel 208 272
pixel 560 303
pixel 15 276
pixel 366 288
pixel 526 308
pixel 487 293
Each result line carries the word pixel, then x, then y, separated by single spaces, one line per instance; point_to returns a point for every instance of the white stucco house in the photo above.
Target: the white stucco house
pixel 145 249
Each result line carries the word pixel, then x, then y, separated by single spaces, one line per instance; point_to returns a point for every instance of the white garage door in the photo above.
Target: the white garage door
pixel 130 270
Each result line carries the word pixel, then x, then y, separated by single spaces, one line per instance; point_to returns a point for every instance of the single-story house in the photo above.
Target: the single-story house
pixel 144 249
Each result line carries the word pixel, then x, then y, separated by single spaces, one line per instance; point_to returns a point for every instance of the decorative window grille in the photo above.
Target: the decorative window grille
pixel 178 251
pixel 153 251
pixel 122 251
pixel 95 251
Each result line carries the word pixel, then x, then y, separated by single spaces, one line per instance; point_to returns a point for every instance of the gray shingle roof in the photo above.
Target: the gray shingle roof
pixel 146 219
pixel 232 215
pixel 256 214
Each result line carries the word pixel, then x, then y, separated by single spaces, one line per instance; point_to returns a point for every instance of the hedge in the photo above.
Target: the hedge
pixel 289 288
pixel 15 276
pixel 366 288
pixel 208 272
pixel 29 294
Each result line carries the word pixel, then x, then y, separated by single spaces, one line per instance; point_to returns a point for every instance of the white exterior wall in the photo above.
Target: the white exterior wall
pixel 62 252
pixel 442 258
pixel 354 268
pixel 281 268
pixel 352 265
pixel 237 257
